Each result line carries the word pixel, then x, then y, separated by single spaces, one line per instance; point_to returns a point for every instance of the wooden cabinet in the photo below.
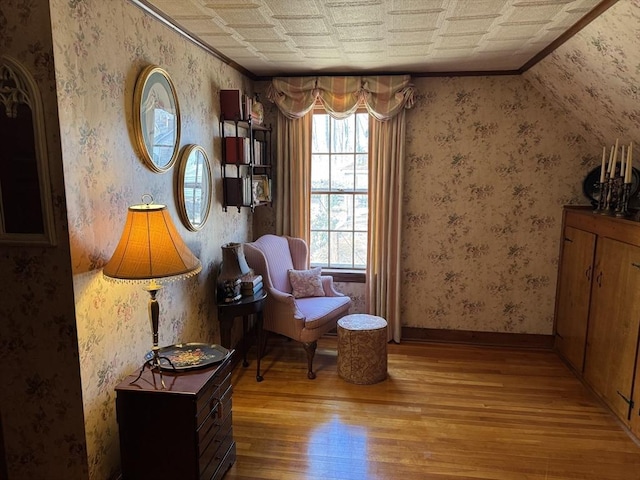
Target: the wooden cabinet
pixel 574 289
pixel 614 318
pixel 182 431
pixel 246 154
pixel 598 307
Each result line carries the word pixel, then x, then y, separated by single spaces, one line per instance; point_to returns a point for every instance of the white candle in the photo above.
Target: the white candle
pixel 615 160
pixel 627 176
pixel 602 168
pixel 623 172
pixel 610 161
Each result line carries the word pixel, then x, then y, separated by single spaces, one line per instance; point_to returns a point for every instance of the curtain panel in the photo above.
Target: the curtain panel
pixel 385 98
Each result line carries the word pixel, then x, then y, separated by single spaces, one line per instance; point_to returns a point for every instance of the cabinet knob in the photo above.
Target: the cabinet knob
pixel 567 239
pixel 637 265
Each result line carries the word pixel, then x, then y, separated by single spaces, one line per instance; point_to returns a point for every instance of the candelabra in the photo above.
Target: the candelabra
pixel 622 209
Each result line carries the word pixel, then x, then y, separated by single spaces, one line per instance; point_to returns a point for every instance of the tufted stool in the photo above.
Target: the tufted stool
pixel 362 349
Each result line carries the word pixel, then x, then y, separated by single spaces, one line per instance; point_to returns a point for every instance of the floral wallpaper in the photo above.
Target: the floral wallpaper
pixel 490 162
pixel 100 48
pixel 596 76
pixel 41 394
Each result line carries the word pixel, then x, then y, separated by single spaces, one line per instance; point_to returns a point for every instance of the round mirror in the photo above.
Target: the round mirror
pixel 156 119
pixel 194 187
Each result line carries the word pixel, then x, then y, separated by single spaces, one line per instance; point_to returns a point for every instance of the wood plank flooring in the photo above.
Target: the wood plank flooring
pixel 446 412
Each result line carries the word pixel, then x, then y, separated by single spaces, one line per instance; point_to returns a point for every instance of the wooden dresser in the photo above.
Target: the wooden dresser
pixel 597 324
pixel 181 432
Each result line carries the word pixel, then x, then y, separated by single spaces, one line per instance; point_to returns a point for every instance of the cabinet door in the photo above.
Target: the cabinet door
pixel 612 337
pixel 574 288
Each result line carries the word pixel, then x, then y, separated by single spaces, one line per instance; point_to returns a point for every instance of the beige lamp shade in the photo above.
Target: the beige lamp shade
pixel 151 247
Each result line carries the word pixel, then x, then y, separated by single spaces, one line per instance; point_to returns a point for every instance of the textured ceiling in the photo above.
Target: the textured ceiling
pixel 294 37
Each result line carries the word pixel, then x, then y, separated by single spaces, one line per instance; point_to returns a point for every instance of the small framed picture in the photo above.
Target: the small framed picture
pixel 261 188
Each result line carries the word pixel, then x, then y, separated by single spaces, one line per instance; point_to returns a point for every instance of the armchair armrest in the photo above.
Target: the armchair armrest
pixel 287 302
pixel 329 289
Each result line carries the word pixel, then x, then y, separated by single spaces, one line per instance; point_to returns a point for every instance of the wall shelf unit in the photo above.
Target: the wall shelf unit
pixel 246 154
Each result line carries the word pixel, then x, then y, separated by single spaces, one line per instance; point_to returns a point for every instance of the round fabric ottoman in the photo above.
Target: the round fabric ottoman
pixel 362 349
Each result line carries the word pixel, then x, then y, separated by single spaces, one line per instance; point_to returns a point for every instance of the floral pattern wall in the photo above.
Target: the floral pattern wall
pixel 100 48
pixel 41 394
pixel 596 75
pixel 490 163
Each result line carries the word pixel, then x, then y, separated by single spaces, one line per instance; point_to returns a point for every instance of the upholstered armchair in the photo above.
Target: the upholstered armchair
pixel 304 319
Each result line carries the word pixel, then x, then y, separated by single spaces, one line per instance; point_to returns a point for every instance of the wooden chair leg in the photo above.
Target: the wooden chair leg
pixel 262 344
pixel 310 348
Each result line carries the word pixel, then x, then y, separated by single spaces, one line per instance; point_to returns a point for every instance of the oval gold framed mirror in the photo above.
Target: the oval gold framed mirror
pixel 194 187
pixel 156 119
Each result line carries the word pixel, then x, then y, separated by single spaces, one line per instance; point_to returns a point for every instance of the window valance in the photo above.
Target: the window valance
pixel 384 95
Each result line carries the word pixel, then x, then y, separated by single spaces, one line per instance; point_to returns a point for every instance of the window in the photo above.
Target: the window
pixel 339 196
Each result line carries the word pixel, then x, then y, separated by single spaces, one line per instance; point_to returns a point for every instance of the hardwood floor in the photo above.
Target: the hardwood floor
pixel 445 412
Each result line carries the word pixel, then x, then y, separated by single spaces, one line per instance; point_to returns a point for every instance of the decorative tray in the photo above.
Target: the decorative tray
pixel 186 356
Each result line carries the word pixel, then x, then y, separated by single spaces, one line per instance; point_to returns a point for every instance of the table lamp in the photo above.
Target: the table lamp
pixel 150 248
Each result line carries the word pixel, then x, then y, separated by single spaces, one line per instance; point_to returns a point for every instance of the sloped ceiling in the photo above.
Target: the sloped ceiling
pixel 596 75
pixel 298 37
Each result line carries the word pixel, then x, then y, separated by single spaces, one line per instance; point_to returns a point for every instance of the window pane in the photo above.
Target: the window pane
pixel 319 248
pixel 339 178
pixel 362 132
pixel 343 135
pixel 320 140
pixel 341 215
pixel 319 212
pixel 341 249
pixel 342 168
pixel 360 250
pixel 320 172
pixel 362 172
pixel 361 212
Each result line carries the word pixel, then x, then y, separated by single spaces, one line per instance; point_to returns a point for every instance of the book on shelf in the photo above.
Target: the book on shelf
pixel 257 152
pixel 237 150
pixel 232 104
pixel 238 190
pixel 250 291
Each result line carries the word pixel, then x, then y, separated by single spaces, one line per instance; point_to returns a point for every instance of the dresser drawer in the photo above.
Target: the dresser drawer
pixel 210 394
pixel 222 460
pixel 215 420
pixel 216 448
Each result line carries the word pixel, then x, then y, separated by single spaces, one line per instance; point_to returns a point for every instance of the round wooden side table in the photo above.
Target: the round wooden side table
pixel 244 307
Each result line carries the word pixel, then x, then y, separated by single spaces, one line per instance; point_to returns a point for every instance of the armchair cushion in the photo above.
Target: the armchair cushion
pixel 306 283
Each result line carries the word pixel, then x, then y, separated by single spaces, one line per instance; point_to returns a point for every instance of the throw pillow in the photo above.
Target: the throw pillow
pixel 306 283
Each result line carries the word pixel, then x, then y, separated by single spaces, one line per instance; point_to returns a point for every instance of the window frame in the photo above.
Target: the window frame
pixel 347 274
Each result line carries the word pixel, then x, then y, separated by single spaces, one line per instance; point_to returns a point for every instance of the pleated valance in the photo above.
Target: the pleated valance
pixel 383 95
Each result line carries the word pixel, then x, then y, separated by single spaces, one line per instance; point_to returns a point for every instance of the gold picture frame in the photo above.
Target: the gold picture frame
pixel 156 119
pixel 194 187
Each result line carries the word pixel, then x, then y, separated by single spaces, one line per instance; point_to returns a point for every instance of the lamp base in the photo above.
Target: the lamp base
pixel 154 364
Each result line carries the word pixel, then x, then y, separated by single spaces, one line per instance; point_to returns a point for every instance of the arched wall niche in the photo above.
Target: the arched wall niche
pixel 26 213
